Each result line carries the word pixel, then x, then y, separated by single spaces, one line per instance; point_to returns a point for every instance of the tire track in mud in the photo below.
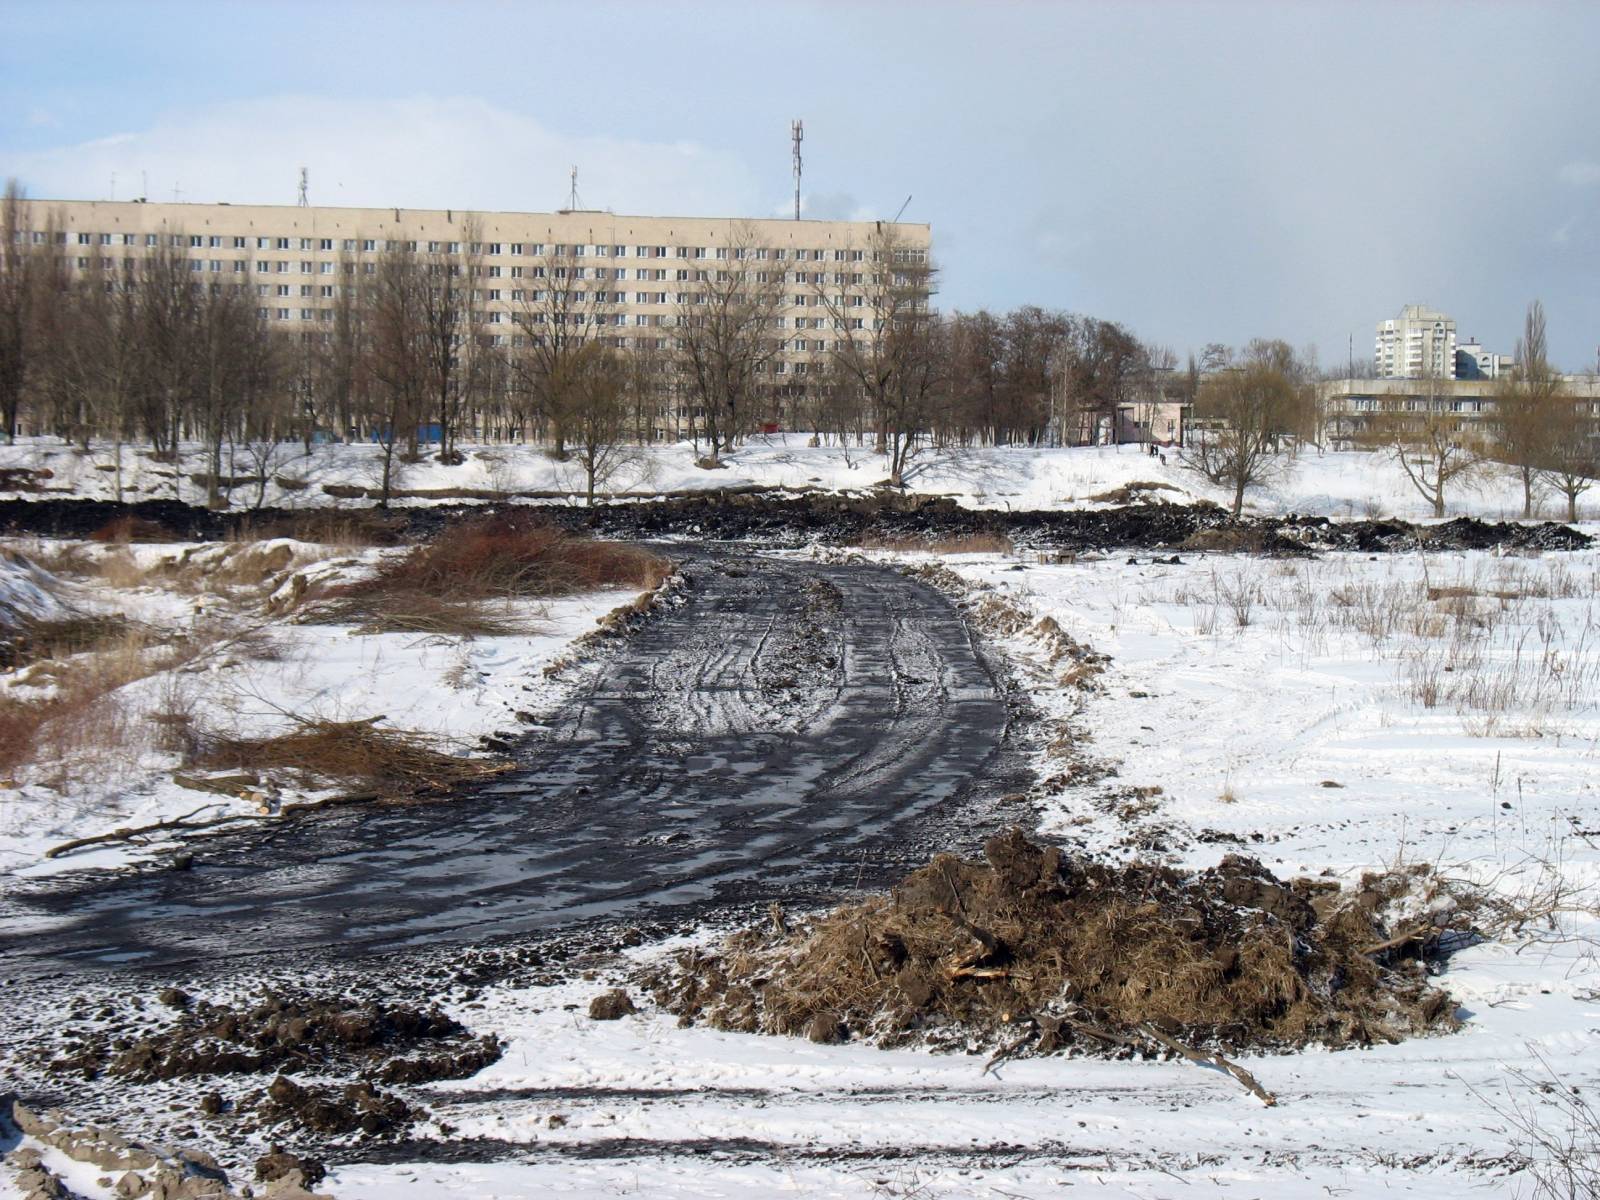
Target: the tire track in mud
pixel 795 728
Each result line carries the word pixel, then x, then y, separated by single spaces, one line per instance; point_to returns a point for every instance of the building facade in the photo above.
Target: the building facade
pixel 1474 362
pixel 637 273
pixel 1352 406
pixel 1419 343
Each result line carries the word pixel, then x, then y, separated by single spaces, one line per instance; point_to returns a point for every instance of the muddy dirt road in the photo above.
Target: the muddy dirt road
pixel 792 729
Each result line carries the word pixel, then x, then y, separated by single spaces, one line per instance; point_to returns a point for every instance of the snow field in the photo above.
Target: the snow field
pixel 1327 678
pixel 1350 485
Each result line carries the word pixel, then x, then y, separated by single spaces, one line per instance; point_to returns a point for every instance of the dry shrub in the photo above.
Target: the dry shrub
pixel 515 554
pixel 1064 951
pixel 352 754
pixel 1139 491
pixel 34 640
pixel 431 588
pixel 414 612
pixel 329 527
pixel 122 530
pixel 87 721
pixel 19 726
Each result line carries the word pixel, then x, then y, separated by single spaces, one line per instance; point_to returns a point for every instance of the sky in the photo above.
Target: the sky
pixel 1200 172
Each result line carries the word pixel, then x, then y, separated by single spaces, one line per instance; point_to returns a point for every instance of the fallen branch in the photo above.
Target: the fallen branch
pixel 126 834
pixel 1246 1080
pixel 183 823
pixel 1411 935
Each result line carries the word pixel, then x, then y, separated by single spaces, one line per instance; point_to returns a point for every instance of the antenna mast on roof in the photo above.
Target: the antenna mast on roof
pixel 798 129
pixel 572 200
pixel 305 183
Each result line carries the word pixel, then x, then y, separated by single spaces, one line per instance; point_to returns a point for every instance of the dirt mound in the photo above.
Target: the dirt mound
pixel 759 515
pixel 1033 949
pixel 282 1033
pixel 1135 491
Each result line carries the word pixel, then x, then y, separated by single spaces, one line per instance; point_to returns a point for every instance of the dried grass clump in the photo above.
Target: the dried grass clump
pixel 1138 491
pixel 414 612
pixel 34 640
pixel 517 554
pixel 438 588
pixel 1037 949
pixel 350 754
pixel 329 527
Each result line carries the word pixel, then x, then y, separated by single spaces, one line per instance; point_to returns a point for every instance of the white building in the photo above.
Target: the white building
pixel 1474 362
pixel 1418 344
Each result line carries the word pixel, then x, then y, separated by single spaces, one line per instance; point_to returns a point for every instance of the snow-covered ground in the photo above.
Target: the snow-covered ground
pixel 1327 716
pixel 251 671
pixel 1351 484
pixel 1243 689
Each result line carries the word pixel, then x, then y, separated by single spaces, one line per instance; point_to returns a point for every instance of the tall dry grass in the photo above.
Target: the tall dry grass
pixel 1508 645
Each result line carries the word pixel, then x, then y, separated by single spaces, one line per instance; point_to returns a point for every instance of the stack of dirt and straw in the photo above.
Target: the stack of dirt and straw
pixel 1032 951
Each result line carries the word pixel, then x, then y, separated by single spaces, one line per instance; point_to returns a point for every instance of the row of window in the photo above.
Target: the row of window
pixel 517 295
pixel 475 249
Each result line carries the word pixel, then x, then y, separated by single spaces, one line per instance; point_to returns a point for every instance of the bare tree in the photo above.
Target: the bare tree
pixel 727 337
pixel 601 418
pixel 1572 463
pixel 17 289
pixel 1432 444
pixel 888 341
pixel 1244 411
pixel 564 308
pixel 396 356
pixel 1527 405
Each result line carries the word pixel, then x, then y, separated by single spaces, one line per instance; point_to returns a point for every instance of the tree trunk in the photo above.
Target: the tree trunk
pixel 1238 496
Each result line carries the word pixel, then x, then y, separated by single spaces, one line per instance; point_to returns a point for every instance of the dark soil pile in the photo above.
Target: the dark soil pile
pixel 1033 950
pixel 324 1037
pixel 779 519
pixel 281 1033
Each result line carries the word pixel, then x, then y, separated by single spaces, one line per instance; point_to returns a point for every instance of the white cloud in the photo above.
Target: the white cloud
pixel 1580 174
pixel 826 206
pixel 417 152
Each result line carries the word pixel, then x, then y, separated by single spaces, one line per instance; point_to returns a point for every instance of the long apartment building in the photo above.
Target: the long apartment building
pixel 295 259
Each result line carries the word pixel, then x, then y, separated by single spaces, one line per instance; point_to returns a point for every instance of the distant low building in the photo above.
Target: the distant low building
pixel 1352 406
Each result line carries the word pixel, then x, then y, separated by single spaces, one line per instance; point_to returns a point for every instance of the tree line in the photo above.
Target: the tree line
pixel 410 347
